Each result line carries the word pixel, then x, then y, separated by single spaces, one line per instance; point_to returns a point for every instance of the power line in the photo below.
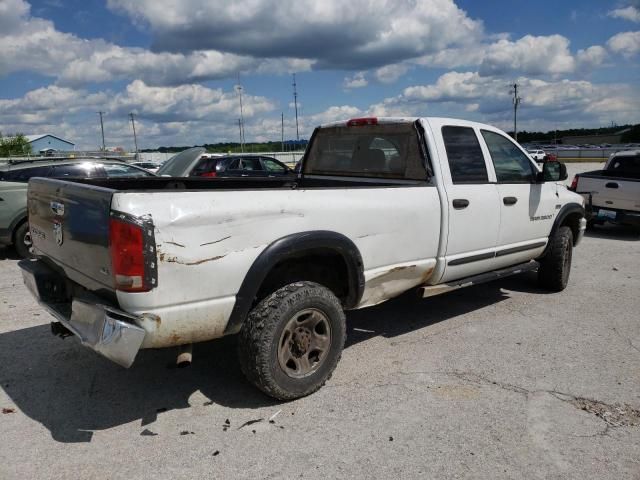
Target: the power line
pixel 102 129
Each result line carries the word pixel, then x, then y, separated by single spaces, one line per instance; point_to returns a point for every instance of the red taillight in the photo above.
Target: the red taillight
pixel 208 174
pixel 126 244
pixel 574 183
pixel 359 122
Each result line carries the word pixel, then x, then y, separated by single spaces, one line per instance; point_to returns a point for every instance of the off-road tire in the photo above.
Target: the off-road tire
pixel 258 342
pixel 22 249
pixel 555 267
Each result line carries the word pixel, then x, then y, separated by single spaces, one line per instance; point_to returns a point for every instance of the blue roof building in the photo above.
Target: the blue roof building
pixel 41 143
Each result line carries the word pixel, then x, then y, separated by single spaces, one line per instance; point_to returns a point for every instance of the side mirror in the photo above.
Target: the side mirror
pixel 553 172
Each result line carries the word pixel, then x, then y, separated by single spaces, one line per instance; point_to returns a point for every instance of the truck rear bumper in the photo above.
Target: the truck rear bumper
pixel 622 217
pixel 107 330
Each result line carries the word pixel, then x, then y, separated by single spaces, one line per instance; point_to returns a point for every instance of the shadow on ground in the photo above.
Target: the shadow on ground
pixel 8 253
pixel 613 232
pixel 73 391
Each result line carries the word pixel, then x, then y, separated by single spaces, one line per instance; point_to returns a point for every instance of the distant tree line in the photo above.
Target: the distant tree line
pixel 548 137
pixel 14 145
pixel 234 147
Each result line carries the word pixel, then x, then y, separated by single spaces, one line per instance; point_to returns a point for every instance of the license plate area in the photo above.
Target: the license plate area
pixel 607 214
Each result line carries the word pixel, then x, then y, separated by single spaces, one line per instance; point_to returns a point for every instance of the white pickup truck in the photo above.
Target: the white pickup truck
pixel 381 206
pixel 613 193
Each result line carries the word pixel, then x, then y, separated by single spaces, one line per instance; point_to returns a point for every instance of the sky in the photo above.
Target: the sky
pixel 177 65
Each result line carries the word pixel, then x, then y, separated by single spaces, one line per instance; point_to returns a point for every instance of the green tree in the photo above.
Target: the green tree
pixel 14 145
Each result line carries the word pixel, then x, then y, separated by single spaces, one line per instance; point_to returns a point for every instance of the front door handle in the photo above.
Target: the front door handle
pixel 612 185
pixel 460 203
pixel 509 200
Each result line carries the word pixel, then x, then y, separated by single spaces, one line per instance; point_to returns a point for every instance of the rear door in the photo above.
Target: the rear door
pixel 472 202
pixel 527 208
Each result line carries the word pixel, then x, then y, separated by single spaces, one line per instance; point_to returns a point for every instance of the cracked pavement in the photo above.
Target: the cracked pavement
pixel 495 381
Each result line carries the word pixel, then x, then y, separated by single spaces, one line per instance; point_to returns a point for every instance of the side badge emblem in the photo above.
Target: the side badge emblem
pixel 57 232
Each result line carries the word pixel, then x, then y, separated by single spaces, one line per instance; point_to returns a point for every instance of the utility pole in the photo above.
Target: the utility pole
pixel 102 129
pixel 239 89
pixel 240 129
pixel 135 139
pixel 516 103
pixel 282 132
pixel 295 104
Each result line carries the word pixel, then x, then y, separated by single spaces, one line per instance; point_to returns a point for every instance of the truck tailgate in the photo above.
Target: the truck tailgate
pixel 69 225
pixel 611 192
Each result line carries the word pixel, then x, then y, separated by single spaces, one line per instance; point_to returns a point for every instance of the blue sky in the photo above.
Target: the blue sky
pixel 176 65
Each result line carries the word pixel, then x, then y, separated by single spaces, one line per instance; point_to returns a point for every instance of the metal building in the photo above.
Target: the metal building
pixel 42 143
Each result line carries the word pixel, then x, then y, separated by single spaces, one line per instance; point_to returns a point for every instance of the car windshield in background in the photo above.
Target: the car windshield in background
pixel 380 151
pixel 177 165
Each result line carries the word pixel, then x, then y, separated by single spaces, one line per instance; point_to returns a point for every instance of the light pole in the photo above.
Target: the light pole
pixel 295 104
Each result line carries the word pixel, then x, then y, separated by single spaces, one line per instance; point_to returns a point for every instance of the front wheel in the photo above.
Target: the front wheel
pixel 22 240
pixel 292 340
pixel 555 267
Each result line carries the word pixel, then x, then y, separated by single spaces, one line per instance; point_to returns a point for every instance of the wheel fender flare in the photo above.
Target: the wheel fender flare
pixel 292 246
pixel 565 211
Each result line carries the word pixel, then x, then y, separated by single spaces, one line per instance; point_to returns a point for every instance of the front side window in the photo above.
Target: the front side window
pixel 379 151
pixel 466 161
pixel 510 163
pixel 273 166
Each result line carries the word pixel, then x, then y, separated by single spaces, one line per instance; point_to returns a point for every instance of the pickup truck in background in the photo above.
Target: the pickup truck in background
pixel 380 206
pixel 613 193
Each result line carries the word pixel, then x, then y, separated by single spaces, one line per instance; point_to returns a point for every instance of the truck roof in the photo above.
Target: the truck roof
pixel 391 120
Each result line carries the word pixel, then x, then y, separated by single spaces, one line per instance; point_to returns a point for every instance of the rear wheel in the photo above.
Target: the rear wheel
pixel 22 240
pixel 292 340
pixel 555 267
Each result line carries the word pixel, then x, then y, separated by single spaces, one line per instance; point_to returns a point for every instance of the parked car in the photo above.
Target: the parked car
pixel 613 193
pixel 148 166
pixel 14 229
pixel 381 207
pixel 536 154
pixel 194 162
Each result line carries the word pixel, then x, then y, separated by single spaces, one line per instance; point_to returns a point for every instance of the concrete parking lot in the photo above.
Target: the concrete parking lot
pixel 501 380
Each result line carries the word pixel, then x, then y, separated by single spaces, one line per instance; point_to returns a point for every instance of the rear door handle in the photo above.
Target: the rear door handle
pixel 509 200
pixel 612 185
pixel 460 203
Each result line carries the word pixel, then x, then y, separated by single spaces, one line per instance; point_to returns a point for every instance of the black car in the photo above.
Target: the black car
pixel 195 163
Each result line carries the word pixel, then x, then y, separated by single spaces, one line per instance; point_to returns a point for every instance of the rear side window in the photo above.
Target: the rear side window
pixel 625 164
pixel 72 171
pixel 466 161
pixel 204 166
pixel 24 174
pixel 250 164
pixel 379 151
pixel 122 170
pixel 511 165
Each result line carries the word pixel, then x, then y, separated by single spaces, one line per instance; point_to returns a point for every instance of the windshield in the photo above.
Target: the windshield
pixel 179 165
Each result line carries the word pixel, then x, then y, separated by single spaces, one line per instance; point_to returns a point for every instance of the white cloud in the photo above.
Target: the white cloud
pixel 544 103
pixel 358 33
pixel 591 57
pixel 357 80
pixel 625 43
pixel 630 13
pixel 391 73
pixel 530 55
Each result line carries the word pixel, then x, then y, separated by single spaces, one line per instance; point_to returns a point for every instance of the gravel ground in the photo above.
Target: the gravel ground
pixel 495 381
